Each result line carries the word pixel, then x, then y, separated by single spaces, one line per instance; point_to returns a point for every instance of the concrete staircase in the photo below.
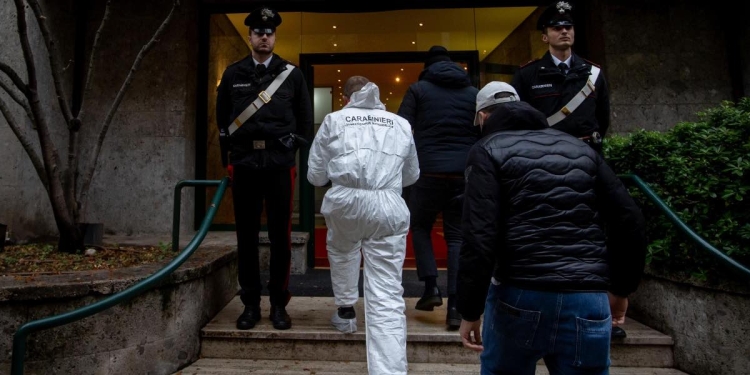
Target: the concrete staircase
pixel 312 346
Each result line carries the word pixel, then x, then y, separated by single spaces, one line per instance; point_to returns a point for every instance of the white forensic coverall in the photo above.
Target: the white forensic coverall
pixel 369 155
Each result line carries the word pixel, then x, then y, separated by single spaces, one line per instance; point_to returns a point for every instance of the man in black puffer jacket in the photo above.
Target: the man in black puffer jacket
pixel 536 204
pixel 440 109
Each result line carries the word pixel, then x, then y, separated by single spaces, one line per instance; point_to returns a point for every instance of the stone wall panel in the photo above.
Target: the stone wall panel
pixel 709 326
pixel 156 332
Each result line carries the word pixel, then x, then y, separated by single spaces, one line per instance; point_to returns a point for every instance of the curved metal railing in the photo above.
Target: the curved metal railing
pixel 684 228
pixel 19 339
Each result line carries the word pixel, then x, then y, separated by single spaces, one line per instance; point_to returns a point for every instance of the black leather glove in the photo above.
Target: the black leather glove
pixel 293 141
pixel 224 146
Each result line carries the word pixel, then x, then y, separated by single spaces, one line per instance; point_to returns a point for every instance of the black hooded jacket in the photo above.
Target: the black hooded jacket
pixel 440 108
pixel 536 206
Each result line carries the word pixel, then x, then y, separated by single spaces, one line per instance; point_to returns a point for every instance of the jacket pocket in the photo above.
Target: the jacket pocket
pixel 592 343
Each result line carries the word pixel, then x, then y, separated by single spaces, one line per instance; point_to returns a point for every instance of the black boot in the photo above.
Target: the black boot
pixel 279 318
pixel 452 317
pixel 431 297
pixel 618 333
pixel 249 317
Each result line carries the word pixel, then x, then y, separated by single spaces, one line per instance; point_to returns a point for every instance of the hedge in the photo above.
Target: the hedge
pixel 702 171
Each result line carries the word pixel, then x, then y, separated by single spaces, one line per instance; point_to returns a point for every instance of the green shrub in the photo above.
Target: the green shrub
pixel 702 171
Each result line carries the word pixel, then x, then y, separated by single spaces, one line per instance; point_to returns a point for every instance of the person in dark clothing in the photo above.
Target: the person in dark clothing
pixel 571 91
pixel 537 259
pixel 264 114
pixel 440 109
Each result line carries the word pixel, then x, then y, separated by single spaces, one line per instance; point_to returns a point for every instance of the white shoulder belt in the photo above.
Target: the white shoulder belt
pixel 263 98
pixel 567 109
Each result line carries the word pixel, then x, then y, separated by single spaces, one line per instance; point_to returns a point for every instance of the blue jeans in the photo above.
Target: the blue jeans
pixel 429 197
pixel 570 331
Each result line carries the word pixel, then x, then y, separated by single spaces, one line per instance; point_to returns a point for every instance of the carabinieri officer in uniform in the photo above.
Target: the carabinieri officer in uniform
pixel 264 114
pixel 571 91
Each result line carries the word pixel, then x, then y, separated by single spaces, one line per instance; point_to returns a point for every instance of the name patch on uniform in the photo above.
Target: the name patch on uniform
pixel 242 85
pixel 541 86
pixel 368 120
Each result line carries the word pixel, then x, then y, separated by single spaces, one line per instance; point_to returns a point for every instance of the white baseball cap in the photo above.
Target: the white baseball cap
pixel 486 96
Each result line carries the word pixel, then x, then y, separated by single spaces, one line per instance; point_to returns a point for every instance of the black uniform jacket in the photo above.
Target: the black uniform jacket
pixel 289 111
pixel 546 88
pixel 536 206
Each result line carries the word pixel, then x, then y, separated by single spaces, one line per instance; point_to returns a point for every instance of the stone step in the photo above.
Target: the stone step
pixel 312 338
pixel 217 366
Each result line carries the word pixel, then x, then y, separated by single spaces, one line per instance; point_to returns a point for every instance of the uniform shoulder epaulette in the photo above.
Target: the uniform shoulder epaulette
pixel 239 61
pixel 528 63
pixel 592 63
pixel 288 62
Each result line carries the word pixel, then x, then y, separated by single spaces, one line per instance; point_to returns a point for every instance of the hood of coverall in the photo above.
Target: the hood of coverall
pixel 367 97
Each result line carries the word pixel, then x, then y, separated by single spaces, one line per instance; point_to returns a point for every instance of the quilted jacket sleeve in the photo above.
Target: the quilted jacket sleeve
pixel 481 227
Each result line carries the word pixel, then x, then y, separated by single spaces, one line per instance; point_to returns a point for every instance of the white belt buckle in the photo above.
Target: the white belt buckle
pixel 264 97
pixel 259 145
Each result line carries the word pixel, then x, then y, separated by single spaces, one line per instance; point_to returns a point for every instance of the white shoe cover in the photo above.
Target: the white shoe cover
pixel 344 325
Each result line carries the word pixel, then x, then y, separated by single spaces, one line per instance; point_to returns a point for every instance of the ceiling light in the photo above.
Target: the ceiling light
pixel 421 24
pixel 413 42
pixel 335 45
pixel 485 51
pixel 339 80
pixel 334 26
pixel 402 69
pixel 398 79
pixel 390 93
pixel 338 70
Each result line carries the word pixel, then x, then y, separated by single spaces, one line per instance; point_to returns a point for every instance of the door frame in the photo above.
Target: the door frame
pixel 307 61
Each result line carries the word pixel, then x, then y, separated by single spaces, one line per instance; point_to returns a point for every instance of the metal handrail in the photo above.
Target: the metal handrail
pixel 178 202
pixel 19 338
pixel 684 228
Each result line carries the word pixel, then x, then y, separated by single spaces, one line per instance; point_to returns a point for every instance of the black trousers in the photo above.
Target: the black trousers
pixel 430 196
pixel 250 189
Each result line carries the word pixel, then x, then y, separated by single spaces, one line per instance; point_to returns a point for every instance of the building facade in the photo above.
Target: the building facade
pixel 664 63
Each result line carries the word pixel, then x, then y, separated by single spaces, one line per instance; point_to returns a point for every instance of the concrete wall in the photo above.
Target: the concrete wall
pixel 150 145
pixel 666 61
pixel 745 50
pixel 23 202
pixel 710 327
pixel 156 333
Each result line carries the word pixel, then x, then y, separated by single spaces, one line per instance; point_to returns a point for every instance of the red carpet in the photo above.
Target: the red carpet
pixel 438 244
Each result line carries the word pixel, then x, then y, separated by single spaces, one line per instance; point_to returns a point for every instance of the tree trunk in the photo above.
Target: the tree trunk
pixel 71 236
